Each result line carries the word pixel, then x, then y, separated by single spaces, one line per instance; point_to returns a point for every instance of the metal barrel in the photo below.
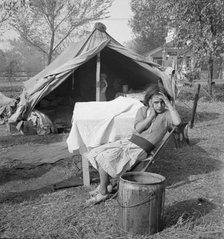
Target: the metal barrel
pixel 141 198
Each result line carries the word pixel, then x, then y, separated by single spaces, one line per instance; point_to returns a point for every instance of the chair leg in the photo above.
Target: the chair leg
pixel 181 135
pixel 85 171
pixel 186 134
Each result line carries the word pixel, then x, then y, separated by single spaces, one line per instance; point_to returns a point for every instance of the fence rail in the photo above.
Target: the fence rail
pixel 17 76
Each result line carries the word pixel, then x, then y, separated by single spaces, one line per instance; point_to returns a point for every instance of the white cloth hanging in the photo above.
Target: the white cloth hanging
pixel 97 123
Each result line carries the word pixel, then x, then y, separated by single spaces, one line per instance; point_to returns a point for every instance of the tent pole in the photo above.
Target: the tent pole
pixel 98 77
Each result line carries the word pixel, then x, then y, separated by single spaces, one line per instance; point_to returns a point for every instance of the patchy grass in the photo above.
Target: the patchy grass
pixel 194 202
pixel 187 93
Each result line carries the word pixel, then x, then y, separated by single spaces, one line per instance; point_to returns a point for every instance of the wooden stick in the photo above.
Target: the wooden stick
pixel 195 106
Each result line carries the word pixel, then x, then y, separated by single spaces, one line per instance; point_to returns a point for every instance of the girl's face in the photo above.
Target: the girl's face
pixel 158 103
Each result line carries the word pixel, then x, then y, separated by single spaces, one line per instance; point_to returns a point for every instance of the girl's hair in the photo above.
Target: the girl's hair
pixel 154 90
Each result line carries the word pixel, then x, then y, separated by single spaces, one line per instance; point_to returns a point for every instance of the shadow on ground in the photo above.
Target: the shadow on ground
pixel 11 140
pixel 27 176
pixel 177 165
pixel 187 210
pixel 24 172
pixel 27 171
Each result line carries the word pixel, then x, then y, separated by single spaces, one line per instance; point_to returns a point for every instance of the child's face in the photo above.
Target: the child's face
pixel 158 103
pixel 103 76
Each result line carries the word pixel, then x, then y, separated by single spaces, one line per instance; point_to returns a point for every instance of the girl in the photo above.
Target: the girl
pixel 152 122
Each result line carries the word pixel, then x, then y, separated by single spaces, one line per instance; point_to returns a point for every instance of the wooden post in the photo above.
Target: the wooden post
pixel 98 77
pixel 85 171
pixel 85 162
pixel 195 106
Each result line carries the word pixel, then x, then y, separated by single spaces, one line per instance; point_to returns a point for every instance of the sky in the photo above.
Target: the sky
pixel 117 24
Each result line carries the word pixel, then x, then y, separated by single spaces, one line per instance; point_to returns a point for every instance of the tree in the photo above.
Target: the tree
pixel 141 45
pixel 12 64
pixel 20 58
pixel 199 25
pixel 2 61
pixel 7 7
pixel 30 58
pixel 46 24
pixel 11 69
pixel 200 28
pixel 149 27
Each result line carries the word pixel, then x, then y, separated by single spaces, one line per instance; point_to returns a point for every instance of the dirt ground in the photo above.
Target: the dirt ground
pixel 34 168
pixel 36 163
pixel 31 165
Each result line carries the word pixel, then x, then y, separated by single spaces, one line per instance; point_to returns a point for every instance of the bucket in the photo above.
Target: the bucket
pixel 141 202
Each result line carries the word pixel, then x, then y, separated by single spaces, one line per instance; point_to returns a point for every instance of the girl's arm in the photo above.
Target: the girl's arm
pixel 143 121
pixel 175 117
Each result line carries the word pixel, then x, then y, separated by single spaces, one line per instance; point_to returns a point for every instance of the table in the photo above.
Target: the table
pixel 97 123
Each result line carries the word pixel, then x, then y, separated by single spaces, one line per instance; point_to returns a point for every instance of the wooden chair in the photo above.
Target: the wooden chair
pixel 144 164
pixel 180 137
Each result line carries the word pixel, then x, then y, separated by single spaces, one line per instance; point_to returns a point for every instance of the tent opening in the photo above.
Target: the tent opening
pixel 80 86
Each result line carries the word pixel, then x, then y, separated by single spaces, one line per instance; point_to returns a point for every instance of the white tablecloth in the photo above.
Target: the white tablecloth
pixel 97 123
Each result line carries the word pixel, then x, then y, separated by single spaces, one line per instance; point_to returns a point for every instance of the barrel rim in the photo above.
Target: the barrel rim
pixel 162 178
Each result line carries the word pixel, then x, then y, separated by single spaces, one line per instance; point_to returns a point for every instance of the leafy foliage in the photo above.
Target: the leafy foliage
pixel 200 28
pixel 46 24
pixel 30 58
pixel 7 8
pixel 2 60
pixel 148 25
pixel 21 57
pixel 199 25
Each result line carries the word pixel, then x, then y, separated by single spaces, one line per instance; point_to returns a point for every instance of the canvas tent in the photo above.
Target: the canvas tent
pixel 74 74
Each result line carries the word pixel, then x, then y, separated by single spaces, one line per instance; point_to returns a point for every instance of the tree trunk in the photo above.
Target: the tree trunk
pixel 210 76
pixel 49 57
pixel 51 49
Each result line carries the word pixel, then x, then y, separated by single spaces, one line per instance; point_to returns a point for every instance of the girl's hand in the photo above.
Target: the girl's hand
pixel 165 99
pixel 152 113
